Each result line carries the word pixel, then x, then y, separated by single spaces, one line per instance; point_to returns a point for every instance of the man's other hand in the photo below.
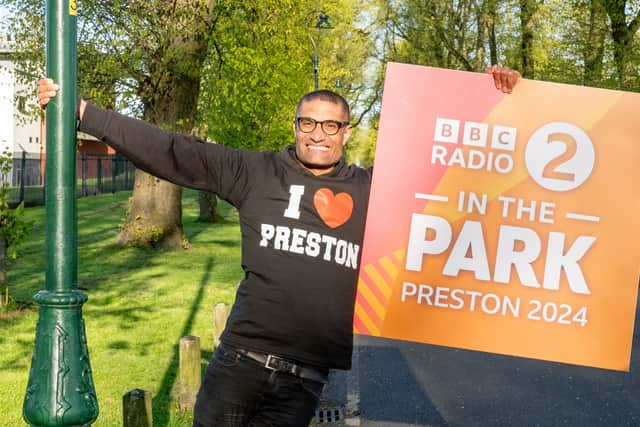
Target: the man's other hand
pixel 47 89
pixel 504 78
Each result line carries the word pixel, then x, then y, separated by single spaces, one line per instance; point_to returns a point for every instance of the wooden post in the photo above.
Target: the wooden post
pixel 136 409
pixel 6 296
pixel 220 315
pixel 190 375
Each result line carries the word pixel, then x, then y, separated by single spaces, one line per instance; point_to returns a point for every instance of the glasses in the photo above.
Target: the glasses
pixel 330 127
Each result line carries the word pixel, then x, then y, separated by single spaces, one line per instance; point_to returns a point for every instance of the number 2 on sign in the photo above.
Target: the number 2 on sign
pixel 553 168
pixel 73 7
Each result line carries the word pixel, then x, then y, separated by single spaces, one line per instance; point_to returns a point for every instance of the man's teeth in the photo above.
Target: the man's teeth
pixel 318 148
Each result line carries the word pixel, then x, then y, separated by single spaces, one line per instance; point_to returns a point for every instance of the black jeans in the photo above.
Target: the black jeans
pixel 238 392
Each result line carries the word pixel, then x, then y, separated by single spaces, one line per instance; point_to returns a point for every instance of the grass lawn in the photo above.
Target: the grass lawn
pixel 140 304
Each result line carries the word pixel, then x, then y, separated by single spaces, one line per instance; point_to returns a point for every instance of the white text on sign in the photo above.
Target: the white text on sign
pixel 488 303
pixel 508 256
pixel 447 131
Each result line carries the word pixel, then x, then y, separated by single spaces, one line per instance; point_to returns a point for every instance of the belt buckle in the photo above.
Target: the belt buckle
pixel 271 358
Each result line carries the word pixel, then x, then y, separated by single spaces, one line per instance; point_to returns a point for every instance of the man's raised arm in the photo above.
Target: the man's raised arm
pixel 181 159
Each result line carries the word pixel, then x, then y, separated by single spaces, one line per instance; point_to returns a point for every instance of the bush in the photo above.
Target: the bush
pixel 13 225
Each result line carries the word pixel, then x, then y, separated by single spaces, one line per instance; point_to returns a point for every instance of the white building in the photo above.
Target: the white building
pixel 18 132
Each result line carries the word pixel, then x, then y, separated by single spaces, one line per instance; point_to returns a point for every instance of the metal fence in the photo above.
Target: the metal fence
pixel 96 174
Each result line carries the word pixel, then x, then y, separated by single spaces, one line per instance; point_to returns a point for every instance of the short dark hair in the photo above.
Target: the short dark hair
pixel 325 95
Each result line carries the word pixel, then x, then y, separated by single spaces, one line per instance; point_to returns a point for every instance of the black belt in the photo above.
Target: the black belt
pixel 279 364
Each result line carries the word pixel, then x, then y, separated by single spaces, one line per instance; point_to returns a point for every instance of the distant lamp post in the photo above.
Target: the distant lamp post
pixel 321 24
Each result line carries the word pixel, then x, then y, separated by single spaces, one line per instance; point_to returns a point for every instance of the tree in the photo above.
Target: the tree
pixel 624 35
pixel 594 46
pixel 253 73
pixel 528 9
pixel 145 57
pixel 167 43
pixel 250 76
pixel 573 44
pixel 443 33
pixel 261 63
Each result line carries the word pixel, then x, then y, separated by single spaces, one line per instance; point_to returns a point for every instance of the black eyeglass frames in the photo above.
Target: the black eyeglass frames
pixel 330 127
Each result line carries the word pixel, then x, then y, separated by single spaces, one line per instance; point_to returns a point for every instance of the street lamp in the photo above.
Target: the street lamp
pixel 60 391
pixel 321 24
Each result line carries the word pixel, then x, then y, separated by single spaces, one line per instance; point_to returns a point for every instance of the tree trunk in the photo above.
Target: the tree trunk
pixel 527 11
pixel 491 29
pixel 448 39
pixel 155 217
pixel 481 17
pixel 594 46
pixel 209 208
pixel 170 97
pixel 622 35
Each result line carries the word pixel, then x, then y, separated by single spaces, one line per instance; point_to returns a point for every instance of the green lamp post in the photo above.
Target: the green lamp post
pixel 321 24
pixel 60 391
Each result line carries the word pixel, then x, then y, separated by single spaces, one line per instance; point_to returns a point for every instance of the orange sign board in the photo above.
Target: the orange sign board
pixel 503 223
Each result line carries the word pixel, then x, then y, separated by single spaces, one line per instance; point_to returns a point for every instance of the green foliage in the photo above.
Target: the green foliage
pixel 143 57
pixel 584 42
pixel 144 236
pixel 14 228
pixel 253 75
pixel 362 145
pixel 129 52
pixel 261 63
pixel 577 41
pixel 7 306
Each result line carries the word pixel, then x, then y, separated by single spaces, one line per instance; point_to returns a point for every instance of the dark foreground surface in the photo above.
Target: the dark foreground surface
pixel 397 383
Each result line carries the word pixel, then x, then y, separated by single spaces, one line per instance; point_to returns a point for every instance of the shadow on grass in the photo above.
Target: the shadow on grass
pixel 226 243
pixel 22 353
pixel 161 403
pixel 100 306
pixel 96 221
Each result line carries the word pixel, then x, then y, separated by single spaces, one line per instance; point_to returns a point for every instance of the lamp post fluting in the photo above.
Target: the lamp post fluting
pixel 60 391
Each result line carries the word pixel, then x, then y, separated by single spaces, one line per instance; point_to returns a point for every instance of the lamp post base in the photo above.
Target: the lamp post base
pixel 60 391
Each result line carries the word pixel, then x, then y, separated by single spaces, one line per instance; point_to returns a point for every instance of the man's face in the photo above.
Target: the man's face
pixel 316 150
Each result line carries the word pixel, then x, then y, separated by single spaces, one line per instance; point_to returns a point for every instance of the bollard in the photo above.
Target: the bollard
pixel 136 409
pixel 220 315
pixel 190 375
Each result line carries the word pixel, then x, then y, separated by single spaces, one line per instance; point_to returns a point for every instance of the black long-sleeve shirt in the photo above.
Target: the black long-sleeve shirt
pixel 301 234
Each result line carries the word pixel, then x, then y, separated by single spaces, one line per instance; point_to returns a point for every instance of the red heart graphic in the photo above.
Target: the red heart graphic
pixel 334 210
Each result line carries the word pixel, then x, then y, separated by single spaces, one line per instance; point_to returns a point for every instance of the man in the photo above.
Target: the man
pixel 302 214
